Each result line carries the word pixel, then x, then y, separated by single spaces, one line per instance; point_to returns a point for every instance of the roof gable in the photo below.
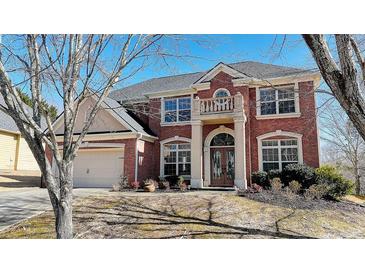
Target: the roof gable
pixel 217 69
pixel 111 118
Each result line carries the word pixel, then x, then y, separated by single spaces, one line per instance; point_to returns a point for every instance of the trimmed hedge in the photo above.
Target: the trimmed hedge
pixel 274 173
pixel 260 178
pixel 304 174
pixel 325 181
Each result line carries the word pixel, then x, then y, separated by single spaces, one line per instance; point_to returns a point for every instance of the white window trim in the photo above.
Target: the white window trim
pixel 163 123
pixel 219 89
pixel 279 133
pixel 171 140
pixel 295 114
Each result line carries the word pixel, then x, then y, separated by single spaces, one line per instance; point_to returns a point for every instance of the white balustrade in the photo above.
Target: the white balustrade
pixel 214 105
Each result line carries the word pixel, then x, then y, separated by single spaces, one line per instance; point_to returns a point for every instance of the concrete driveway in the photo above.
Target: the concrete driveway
pixel 19 180
pixel 20 204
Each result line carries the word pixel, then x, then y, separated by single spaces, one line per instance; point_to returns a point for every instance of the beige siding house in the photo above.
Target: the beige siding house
pixel 15 153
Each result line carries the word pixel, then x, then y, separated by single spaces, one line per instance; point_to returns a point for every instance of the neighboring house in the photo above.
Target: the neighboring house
pixel 15 153
pixel 214 128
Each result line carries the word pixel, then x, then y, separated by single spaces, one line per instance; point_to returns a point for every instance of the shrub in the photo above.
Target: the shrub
pixel 294 186
pixel 337 185
pixel 180 179
pixel 302 173
pixel 173 180
pixel 124 182
pixel 316 191
pixel 276 184
pixel 274 173
pixel 164 184
pixel 134 185
pixel 181 183
pixel 260 178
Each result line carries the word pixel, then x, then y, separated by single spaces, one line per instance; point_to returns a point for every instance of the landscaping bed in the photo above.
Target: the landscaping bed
pixel 299 202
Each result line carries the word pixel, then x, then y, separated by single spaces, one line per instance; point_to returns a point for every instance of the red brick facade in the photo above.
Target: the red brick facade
pixel 149 152
pixel 305 124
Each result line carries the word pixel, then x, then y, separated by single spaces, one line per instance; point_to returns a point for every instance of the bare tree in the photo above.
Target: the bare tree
pixel 345 143
pixel 346 77
pixel 73 67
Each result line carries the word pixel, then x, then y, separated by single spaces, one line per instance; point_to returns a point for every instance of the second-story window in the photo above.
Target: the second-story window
pixel 273 101
pixel 177 110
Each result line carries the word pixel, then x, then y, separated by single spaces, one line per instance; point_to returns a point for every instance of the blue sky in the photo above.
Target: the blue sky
pixel 202 52
pixel 208 50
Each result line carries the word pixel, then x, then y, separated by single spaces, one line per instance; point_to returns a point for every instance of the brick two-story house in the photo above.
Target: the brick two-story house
pixel 214 127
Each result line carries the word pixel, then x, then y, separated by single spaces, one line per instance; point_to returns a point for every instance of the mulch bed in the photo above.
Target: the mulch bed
pixel 299 202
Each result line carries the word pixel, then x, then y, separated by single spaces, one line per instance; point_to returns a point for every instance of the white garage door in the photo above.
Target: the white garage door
pixel 8 149
pixel 96 168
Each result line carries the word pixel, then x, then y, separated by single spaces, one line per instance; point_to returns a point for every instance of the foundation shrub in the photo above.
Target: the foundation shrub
pixel 304 174
pixel 260 178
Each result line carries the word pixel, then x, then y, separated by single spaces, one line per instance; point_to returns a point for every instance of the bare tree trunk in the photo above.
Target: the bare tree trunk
pixel 357 180
pixel 341 80
pixel 64 207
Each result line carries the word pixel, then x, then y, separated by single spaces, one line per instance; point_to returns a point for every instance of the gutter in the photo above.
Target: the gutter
pixel 139 137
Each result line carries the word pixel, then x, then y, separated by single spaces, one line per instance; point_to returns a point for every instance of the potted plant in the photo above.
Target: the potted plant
pixel 150 185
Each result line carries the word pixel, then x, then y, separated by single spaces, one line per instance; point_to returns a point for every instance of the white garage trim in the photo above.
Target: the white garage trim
pixel 96 145
pixel 95 167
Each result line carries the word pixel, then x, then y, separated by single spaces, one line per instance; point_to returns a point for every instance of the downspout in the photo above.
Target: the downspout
pixel 136 160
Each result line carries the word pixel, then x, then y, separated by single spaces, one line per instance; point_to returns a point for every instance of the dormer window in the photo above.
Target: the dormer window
pixel 221 93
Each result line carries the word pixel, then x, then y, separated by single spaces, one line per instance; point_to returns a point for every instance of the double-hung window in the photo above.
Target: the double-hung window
pixel 177 110
pixel 177 159
pixel 277 101
pixel 276 154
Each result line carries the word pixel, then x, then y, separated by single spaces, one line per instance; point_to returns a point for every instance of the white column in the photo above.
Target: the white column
pixel 196 155
pixel 206 158
pixel 240 153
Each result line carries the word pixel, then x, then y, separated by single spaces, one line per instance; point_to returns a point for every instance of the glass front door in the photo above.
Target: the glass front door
pixel 222 166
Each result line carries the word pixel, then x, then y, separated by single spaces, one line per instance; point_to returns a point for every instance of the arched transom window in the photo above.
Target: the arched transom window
pixel 221 93
pixel 222 139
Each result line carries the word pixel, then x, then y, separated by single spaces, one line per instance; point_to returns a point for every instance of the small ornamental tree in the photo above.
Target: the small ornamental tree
pixel 69 66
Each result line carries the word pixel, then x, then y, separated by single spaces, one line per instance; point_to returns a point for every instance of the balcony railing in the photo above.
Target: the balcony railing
pixel 218 105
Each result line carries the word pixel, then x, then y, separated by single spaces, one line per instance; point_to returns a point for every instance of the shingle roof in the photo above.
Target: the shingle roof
pixel 125 115
pixel 183 81
pixel 6 122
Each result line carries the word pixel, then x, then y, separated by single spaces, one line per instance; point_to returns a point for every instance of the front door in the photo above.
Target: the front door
pixel 222 166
